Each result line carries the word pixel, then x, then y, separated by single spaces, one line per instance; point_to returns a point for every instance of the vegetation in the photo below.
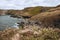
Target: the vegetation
pixel 44 34
pixel 49 18
pixel 32 34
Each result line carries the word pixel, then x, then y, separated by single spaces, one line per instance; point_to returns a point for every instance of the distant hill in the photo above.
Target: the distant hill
pixel 30 11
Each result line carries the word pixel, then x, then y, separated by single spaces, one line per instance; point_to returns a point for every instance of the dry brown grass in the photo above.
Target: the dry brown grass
pixel 48 18
pixel 33 33
pixel 7 34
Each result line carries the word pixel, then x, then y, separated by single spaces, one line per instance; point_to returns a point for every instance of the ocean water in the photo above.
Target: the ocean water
pixel 6 21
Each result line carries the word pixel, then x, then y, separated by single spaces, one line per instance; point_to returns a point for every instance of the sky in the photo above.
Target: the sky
pixel 21 4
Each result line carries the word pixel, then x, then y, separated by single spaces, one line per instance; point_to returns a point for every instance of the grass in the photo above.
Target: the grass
pixel 35 34
pixel 44 34
pixel 35 10
pixel 30 11
pixel 48 18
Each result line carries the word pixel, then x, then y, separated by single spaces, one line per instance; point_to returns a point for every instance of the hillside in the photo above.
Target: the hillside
pixel 50 17
pixel 29 12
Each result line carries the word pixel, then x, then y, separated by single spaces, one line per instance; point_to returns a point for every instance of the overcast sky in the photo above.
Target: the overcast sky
pixel 20 4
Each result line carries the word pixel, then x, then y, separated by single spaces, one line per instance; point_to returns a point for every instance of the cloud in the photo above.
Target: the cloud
pixel 20 4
